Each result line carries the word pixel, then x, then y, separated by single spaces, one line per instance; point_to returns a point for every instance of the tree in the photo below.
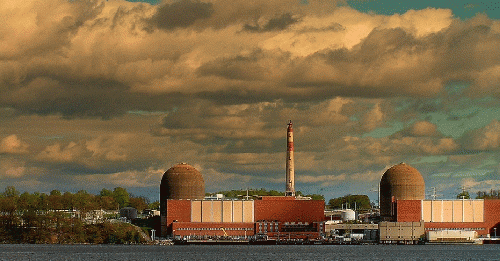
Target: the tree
pixel 121 196
pixel 106 193
pixel 154 205
pixel 55 192
pixel 55 200
pixel 84 201
pixel 139 203
pixel 463 195
pixel 108 203
pixel 360 201
pixel 11 192
pixel 68 201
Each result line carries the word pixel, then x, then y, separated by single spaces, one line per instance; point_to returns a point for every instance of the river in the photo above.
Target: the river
pixel 250 252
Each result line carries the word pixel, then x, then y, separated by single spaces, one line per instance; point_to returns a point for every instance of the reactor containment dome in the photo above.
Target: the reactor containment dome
pixel 399 182
pixel 182 181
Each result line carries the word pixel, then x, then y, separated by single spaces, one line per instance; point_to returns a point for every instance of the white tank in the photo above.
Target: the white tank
pixel 348 215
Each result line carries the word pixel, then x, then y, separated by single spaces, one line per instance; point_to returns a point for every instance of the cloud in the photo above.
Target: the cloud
pixel 13 145
pixel 12 169
pixel 45 26
pixel 324 180
pixel 126 88
pixel 419 129
pixel 132 178
pixel 483 139
pixel 216 180
pixel 103 154
pixel 181 14
pixel 373 118
pixel 100 60
pixel 486 185
pixel 274 24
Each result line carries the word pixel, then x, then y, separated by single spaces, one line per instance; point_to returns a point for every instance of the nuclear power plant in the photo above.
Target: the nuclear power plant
pixel 400 182
pixel 406 217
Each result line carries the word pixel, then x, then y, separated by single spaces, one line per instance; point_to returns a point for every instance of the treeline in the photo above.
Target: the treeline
pixel 11 200
pixel 350 201
pixel 493 194
pixel 261 192
pixel 57 228
pixel 51 218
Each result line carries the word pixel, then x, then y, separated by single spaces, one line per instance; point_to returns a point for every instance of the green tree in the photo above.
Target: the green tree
pixel 106 193
pixel 154 205
pixel 11 192
pixel 121 196
pixel 360 201
pixel 55 192
pixel 55 200
pixel 68 201
pixel 463 195
pixel 84 201
pixel 108 203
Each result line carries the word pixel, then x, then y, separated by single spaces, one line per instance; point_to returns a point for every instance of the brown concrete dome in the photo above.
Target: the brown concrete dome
pixel 400 182
pixel 182 181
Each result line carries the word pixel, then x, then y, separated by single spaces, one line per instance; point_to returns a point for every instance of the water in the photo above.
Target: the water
pixel 224 252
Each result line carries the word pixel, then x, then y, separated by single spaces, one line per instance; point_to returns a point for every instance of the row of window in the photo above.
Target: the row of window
pixel 456 228
pixel 215 228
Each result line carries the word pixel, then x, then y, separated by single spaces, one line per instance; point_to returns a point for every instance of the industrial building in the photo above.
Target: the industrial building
pixel 481 216
pixel 406 216
pixel 400 182
pixel 401 232
pixel 186 213
pixel 402 199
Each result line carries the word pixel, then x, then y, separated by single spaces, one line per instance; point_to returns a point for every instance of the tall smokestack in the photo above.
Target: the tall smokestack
pixel 290 172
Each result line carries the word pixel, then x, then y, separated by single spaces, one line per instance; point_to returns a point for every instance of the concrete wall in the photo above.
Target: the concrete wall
pixel 453 210
pixel 222 211
pixel 401 231
pixel 451 236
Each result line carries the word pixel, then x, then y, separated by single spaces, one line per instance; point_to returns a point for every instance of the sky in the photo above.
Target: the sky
pixel 102 94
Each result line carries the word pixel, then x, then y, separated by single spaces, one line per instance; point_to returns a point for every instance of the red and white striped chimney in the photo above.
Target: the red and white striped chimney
pixel 290 172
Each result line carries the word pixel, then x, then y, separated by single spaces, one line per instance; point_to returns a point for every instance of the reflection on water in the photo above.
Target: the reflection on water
pixel 224 252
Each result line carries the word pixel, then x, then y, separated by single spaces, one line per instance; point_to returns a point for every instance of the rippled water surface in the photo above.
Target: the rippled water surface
pixel 313 252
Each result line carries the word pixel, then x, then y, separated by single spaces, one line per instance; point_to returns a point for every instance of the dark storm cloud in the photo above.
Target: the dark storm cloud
pixel 181 14
pixel 274 24
pixel 237 68
pixel 83 99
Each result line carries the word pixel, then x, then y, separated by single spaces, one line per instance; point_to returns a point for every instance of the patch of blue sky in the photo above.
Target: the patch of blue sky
pixel 384 132
pixel 457 122
pixel 456 88
pixel 461 174
pixel 461 8
pixel 429 159
pixel 490 162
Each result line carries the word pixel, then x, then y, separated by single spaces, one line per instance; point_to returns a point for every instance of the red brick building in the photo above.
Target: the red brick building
pixel 475 215
pixel 286 216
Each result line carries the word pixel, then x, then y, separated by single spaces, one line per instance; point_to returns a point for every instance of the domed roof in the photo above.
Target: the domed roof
pixel 182 181
pixel 402 174
pixel 400 182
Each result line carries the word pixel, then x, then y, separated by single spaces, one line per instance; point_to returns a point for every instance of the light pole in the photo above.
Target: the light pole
pixel 495 231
